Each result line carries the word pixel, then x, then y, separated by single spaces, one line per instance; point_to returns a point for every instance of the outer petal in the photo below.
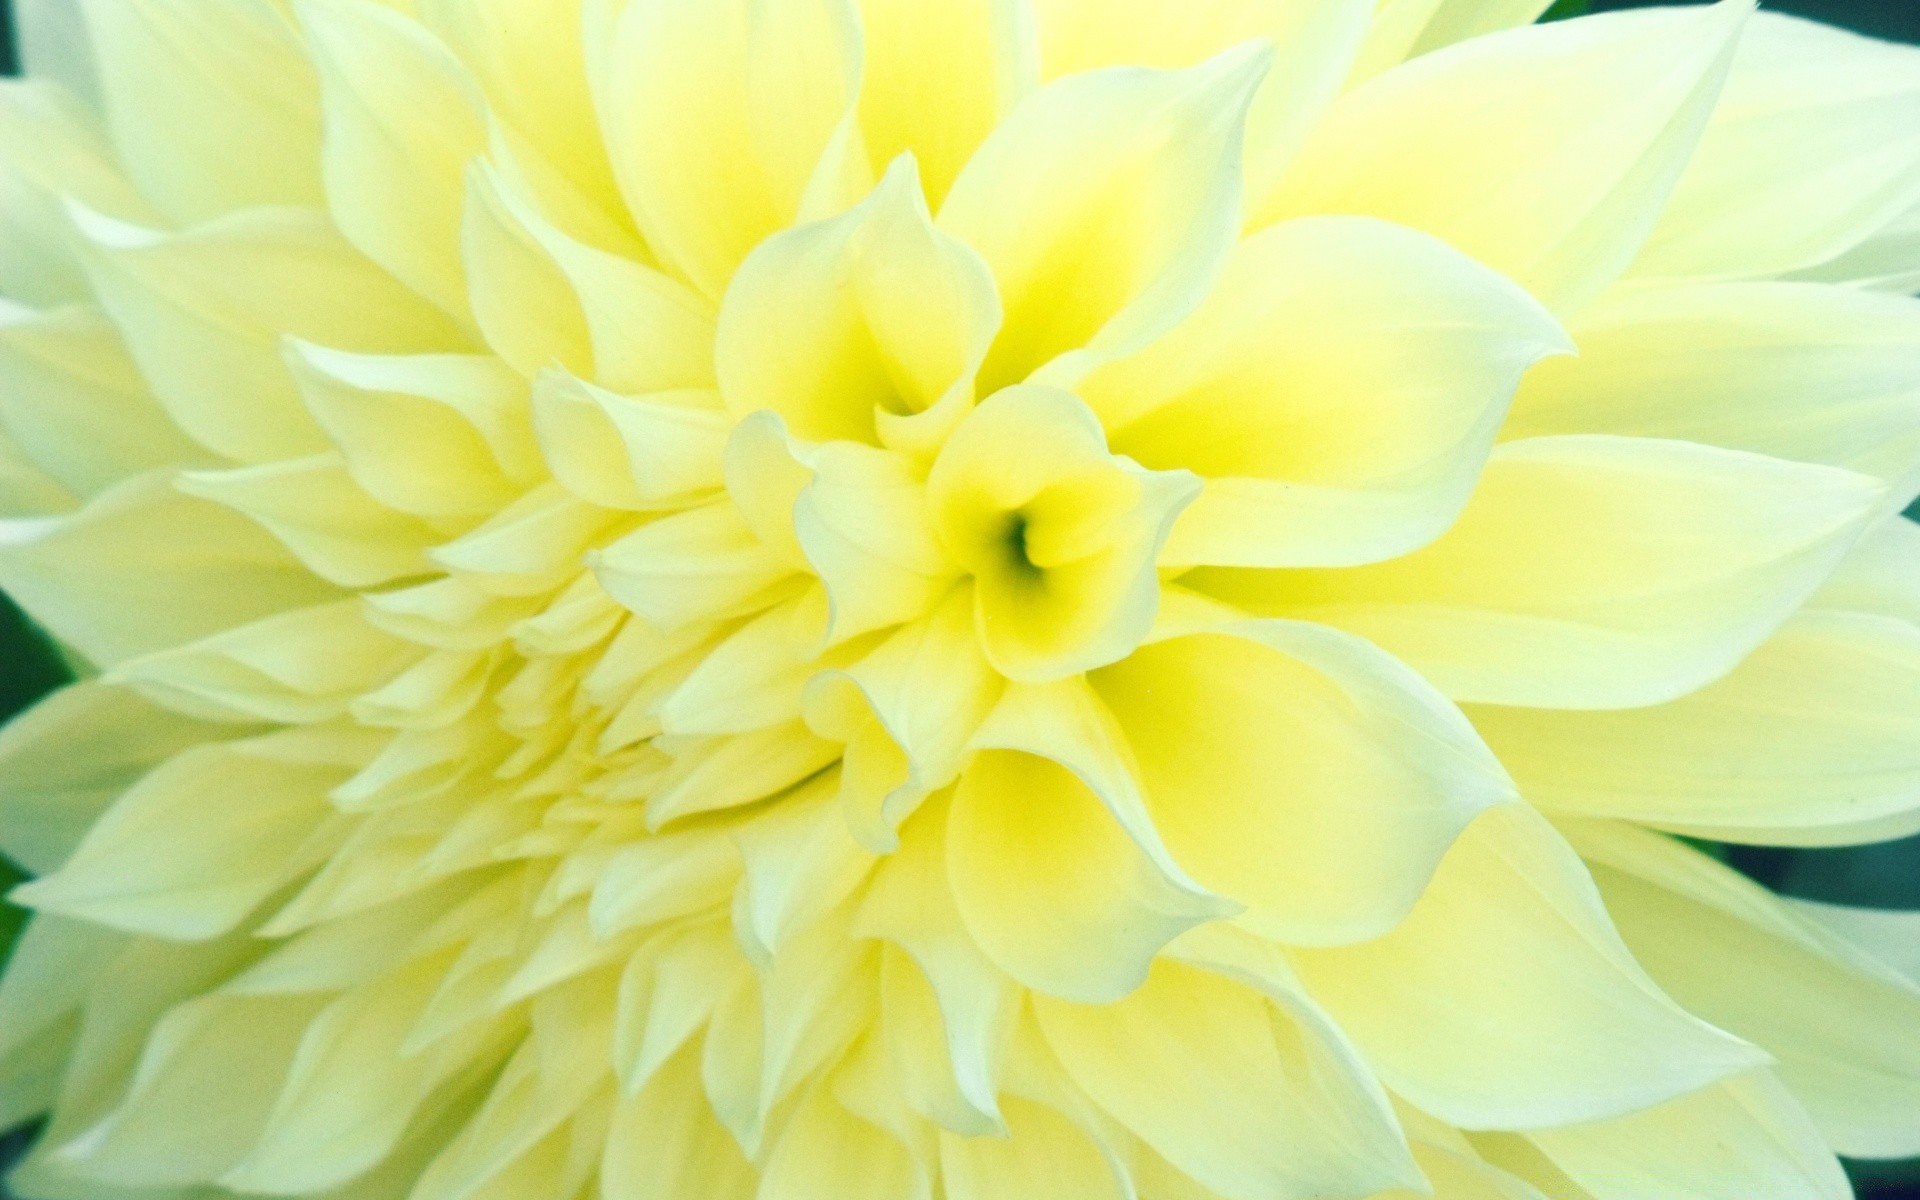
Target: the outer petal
pixel 222 858
pixel 1794 370
pixel 1813 148
pixel 1237 1095
pixel 940 74
pixel 1593 572
pixel 1104 206
pixel 1301 772
pixel 1813 740
pixel 1403 29
pixel 1338 390
pixel 402 119
pixel 1844 1027
pixel 1742 1138
pixel 203 313
pixel 1544 152
pixel 64 760
pixel 771 134
pixel 1314 42
pixel 1051 886
pixel 1506 1000
pixel 144 567
pixel 76 403
pixel 188 84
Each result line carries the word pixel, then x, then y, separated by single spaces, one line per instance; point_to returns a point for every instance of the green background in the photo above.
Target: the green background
pixel 1886 876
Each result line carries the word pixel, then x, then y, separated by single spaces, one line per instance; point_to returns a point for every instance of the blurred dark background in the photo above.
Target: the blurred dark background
pixel 1883 876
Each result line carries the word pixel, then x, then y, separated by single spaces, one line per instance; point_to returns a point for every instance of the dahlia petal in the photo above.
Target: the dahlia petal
pixel 524 305
pixel 434 435
pixel 186 84
pixel 706 182
pixel 732 770
pixel 191 1064
pixel 939 77
pixel 799 861
pixel 1597 120
pixel 1886 935
pixel 402 118
pixel 203 313
pixel 301 667
pixel 25 489
pixel 1799 371
pixel 648 331
pixel 50 150
pixel 662 1147
pixel 1812 999
pixel 1227 1090
pixel 1813 740
pixel 76 403
pixel 702 564
pixel 1403 29
pixel 911 904
pixel 534 545
pixel 865 530
pixel 635 452
pixel 1593 571
pixel 144 567
pixel 1042 1154
pixel 1314 43
pixel 869 326
pixel 752 679
pixel 67 758
pixel 1509 958
pixel 1317 329
pixel 333 1119
pixel 224 859
pixel 1459 1175
pixel 668 991
pixel 917 1050
pixel 1811 150
pixel 1084 924
pixel 319 513
pixel 1061 536
pixel 816 999
pixel 1888 259
pixel 1739 1138
pixel 1104 205
pixel 1301 772
pixel 827 1153
pixel 530 61
pixel 1880 576
pixel 904 739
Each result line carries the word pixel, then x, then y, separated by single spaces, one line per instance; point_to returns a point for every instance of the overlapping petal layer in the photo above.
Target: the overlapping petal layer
pixel 788 599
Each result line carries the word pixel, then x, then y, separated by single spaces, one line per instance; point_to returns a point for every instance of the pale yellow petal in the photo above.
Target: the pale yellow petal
pixel 1837 1020
pixel 185 85
pixel 1742 1138
pixel 69 756
pixel 402 117
pixel 145 567
pixel 1301 772
pixel 1506 1000
pixel 203 313
pixel 773 129
pixel 1104 205
pixel 1231 1091
pixel 1813 148
pixel 1338 391
pixel 1051 886
pixel 1544 152
pixel 1592 571
pixel 1794 370
pixel 1814 739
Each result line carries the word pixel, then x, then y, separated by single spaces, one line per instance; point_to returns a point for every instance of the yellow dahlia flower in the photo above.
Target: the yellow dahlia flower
pixel 982 599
